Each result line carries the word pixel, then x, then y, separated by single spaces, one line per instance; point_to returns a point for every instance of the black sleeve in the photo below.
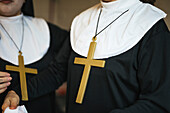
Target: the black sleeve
pixel 52 77
pixel 153 75
pixel 58 37
pixel 55 74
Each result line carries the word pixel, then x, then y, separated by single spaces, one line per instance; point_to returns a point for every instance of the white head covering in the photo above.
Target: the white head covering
pixel 120 36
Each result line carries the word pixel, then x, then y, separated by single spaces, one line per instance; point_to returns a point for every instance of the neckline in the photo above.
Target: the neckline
pixel 11 19
pixel 118 5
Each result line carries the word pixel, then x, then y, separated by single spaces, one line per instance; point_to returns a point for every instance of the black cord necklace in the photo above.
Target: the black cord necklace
pixel 94 38
pixel 21 68
pixel 19 49
pixel 89 61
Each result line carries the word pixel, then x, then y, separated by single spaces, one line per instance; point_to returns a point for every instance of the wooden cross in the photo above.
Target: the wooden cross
pixel 88 63
pixel 22 70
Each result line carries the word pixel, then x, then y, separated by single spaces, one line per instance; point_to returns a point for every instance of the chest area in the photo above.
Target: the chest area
pixel 123 67
pixel 39 65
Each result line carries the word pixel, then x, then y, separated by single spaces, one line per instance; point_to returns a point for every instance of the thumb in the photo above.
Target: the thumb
pixel 5 104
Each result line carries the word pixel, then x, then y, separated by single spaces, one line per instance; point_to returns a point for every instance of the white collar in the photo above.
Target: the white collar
pixel 122 35
pixel 36 38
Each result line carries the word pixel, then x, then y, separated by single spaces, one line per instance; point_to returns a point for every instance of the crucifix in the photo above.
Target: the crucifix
pixel 22 70
pixel 88 63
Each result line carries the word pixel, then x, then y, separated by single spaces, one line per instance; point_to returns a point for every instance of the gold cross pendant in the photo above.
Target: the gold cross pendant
pixel 22 70
pixel 88 63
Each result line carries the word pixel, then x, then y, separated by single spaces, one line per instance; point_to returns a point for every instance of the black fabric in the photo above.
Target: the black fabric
pixel 137 81
pixel 45 103
pixel 148 1
pixel 28 8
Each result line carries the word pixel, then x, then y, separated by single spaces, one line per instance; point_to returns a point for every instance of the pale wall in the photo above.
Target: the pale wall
pixel 66 10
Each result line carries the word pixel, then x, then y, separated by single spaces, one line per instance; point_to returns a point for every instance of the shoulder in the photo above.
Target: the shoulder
pixel 37 23
pixel 35 20
pixel 157 35
pixel 84 16
pixel 58 36
pixel 56 29
pixel 155 41
pixel 89 10
pixel 148 21
pixel 148 14
pixel 158 28
pixel 43 25
pixel 150 9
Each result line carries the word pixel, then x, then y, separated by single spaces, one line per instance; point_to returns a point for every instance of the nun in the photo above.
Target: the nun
pixel 36 40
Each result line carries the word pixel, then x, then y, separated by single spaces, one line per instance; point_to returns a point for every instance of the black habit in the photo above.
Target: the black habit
pixel 136 81
pixel 45 103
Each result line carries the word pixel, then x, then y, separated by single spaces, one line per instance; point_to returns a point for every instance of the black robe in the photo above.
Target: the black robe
pixel 45 103
pixel 136 81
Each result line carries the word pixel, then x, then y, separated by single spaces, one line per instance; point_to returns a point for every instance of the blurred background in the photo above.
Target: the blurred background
pixel 62 12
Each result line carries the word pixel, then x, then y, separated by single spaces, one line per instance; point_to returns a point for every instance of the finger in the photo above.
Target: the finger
pixel 14 103
pixel 4 74
pixel 5 104
pixel 5 79
pixel 2 90
pixel 4 85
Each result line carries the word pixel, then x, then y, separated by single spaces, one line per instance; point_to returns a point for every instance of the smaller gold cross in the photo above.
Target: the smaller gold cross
pixel 88 63
pixel 22 70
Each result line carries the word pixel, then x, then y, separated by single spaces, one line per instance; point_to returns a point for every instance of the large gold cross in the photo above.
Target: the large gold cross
pixel 22 70
pixel 88 63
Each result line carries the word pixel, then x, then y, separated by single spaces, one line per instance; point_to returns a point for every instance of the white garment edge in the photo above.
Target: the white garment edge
pixel 135 29
pixel 40 41
pixel 19 109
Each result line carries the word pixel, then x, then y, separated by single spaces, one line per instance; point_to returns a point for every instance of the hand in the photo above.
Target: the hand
pixel 11 101
pixel 4 81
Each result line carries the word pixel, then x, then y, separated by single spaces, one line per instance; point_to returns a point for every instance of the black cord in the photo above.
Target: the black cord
pixel 108 24
pixel 19 49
